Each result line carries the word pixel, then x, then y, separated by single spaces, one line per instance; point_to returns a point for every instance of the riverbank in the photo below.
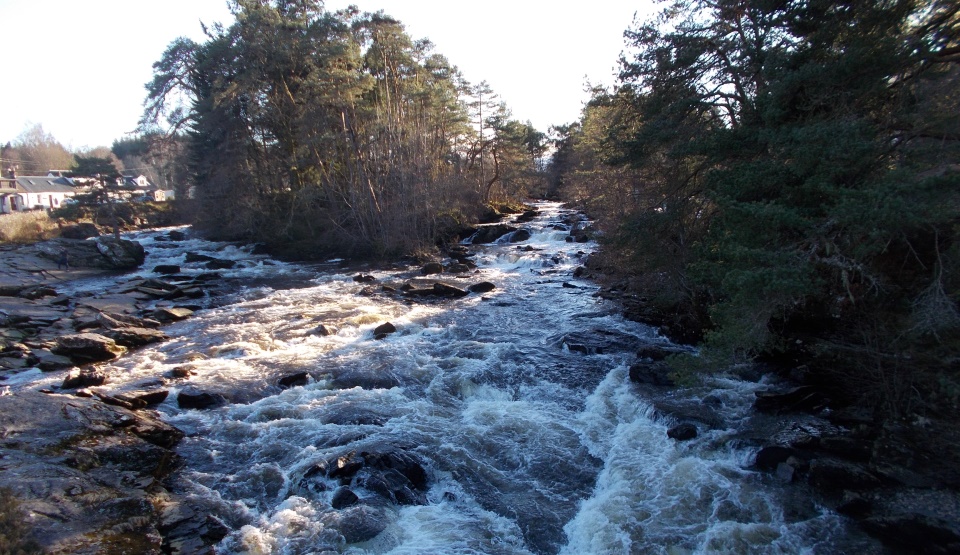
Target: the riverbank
pixel 287 334
pixel 898 479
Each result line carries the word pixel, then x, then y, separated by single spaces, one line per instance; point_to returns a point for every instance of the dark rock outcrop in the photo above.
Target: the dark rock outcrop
pixel 682 432
pixel 431 268
pixel 192 398
pixel 294 380
pixel 136 337
pixel 651 373
pixel 490 233
pixel 384 330
pixel 84 348
pixel 482 287
pixel 85 471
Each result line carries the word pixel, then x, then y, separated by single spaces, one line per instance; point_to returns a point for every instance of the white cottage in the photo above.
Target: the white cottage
pixel 34 193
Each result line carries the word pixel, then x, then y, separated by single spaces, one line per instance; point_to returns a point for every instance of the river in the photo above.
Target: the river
pixel 525 444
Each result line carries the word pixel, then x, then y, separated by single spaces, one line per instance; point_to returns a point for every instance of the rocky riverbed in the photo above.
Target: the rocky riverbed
pixel 95 470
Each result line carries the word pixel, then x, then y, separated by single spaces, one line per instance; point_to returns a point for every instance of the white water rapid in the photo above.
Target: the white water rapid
pixel 526 445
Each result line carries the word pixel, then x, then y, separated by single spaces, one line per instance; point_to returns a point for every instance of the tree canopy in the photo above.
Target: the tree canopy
pixel 786 173
pixel 326 131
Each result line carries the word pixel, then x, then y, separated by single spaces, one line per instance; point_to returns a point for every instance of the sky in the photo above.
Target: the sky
pixel 78 67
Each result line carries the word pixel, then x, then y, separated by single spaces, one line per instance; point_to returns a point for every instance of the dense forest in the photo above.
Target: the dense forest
pixel 321 133
pixel 777 179
pixel 783 177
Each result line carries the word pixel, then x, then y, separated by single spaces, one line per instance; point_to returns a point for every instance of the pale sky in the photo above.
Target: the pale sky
pixel 78 67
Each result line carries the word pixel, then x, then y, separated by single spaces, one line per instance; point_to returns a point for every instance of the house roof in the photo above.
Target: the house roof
pixel 44 184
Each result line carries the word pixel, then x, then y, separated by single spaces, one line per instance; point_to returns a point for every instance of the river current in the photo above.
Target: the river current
pixel 529 446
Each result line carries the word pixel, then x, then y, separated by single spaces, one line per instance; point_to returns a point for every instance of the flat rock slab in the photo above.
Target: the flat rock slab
pixel 114 304
pixel 82 468
pixel 17 307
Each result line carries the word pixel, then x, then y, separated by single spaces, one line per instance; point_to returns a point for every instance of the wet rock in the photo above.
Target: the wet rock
pixel 651 373
pixel 785 472
pixel 383 330
pixel 84 471
pixel 172 314
pixel 482 287
pixel 113 321
pixel 771 456
pixel 136 337
pixel 121 254
pixel 446 290
pixel 343 498
pixel 520 235
pixel 599 341
pixel 527 216
pixel 395 475
pixel 364 278
pixel 192 398
pixel 431 268
pixel 490 233
pixel 121 401
pixel 49 362
pixel 458 268
pixel 37 292
pixel 220 264
pixel 84 378
pixel 88 347
pixel 357 523
pixel 167 269
pixel 149 398
pixel 181 372
pixel 294 380
pixel 324 330
pixel 682 432
pixel 192 257
pixel 344 466
pixel 833 476
pixel 176 235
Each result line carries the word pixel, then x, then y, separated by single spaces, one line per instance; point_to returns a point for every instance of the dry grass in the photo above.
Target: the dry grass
pixel 26 227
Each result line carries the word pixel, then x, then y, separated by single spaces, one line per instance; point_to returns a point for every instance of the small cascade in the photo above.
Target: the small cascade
pixel 501 422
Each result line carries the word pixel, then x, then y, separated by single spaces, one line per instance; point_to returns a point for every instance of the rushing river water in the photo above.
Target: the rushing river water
pixel 526 445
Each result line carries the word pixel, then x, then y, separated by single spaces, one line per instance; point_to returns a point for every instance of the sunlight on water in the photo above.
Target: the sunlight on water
pixel 528 446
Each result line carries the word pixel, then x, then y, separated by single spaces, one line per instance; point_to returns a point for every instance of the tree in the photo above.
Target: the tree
pixel 92 166
pixel 318 131
pixel 35 152
pixel 789 158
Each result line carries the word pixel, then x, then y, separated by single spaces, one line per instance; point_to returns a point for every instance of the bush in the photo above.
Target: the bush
pixel 26 227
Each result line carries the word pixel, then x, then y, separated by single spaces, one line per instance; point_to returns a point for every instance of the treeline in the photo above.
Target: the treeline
pixel 321 133
pixel 786 176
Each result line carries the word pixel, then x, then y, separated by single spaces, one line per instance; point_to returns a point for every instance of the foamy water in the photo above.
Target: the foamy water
pixel 528 447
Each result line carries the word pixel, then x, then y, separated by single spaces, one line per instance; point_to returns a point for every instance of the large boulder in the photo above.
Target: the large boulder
pixel 193 398
pixel 490 233
pixel 84 348
pixel 121 254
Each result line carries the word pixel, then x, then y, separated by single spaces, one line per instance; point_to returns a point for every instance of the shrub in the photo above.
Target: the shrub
pixel 26 227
